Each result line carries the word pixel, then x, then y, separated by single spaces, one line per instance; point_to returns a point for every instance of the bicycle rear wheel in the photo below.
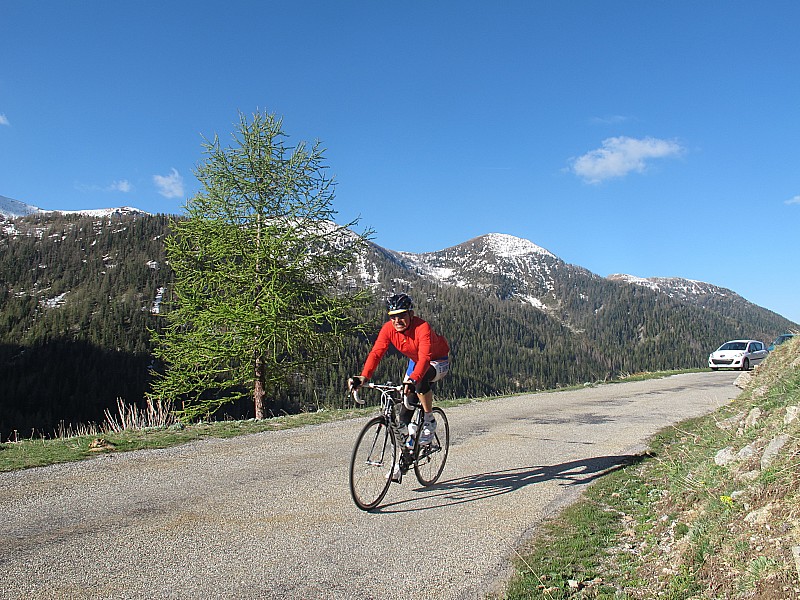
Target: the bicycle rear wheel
pixel 429 459
pixel 371 464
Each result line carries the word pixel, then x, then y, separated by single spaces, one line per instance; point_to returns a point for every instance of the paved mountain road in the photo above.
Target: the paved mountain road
pixel 270 515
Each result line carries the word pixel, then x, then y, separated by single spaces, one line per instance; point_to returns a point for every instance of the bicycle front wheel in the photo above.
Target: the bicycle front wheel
pixel 371 464
pixel 429 459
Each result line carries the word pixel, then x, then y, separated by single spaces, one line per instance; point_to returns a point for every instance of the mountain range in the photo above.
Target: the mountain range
pixel 81 289
pixel 512 268
pixel 500 264
pixel 11 209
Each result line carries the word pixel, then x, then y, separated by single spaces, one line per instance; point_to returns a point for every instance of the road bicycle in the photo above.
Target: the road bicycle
pixel 383 453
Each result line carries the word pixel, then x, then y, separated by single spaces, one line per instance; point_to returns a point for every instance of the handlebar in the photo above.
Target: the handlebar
pixel 387 387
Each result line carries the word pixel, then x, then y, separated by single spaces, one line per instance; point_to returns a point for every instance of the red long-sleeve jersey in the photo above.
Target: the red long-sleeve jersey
pixel 418 342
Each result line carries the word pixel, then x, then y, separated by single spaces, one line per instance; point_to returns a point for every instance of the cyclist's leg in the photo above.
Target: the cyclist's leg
pixel 409 403
pixel 425 389
pixel 425 394
pixel 436 371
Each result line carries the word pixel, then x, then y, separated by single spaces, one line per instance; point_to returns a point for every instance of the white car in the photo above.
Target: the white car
pixel 737 354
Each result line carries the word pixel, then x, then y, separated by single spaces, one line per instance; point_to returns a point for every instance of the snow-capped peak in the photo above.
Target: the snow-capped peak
pixel 102 212
pixel 509 246
pixel 11 208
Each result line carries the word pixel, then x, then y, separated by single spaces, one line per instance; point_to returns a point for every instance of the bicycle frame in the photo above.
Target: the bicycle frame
pixel 390 398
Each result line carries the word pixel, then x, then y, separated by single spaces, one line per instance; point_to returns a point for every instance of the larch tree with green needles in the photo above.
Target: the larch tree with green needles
pixel 258 264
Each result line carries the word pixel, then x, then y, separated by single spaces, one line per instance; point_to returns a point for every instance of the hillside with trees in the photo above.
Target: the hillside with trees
pixel 80 296
pixel 77 299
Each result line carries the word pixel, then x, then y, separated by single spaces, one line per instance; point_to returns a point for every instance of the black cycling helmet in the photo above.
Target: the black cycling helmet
pixel 399 303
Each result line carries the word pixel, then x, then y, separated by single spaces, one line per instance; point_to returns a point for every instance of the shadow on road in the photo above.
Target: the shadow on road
pixel 486 485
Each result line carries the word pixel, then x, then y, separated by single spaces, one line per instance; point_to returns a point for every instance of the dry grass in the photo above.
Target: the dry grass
pixel 130 417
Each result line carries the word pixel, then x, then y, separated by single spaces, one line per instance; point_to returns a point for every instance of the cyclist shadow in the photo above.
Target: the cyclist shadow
pixel 474 488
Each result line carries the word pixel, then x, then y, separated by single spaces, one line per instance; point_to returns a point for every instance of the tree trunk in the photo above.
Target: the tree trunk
pixel 259 391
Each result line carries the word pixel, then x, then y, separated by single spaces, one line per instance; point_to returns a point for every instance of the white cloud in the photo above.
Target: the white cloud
pixel 621 155
pixel 169 186
pixel 795 200
pixel 123 186
pixel 610 120
pixel 4 120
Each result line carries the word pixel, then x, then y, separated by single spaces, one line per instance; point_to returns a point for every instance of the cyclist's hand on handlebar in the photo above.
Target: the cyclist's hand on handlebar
pixel 409 387
pixel 356 382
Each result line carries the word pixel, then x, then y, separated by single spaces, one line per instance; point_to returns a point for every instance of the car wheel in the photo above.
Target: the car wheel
pixel 714 368
pixel 745 365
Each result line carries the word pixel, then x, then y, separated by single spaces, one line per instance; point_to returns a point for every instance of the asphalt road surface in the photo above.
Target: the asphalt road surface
pixel 270 515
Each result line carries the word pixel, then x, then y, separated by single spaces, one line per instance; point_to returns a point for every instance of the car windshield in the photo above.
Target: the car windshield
pixel 734 346
pixel 782 338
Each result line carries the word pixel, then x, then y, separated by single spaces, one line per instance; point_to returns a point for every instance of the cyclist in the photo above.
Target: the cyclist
pixel 428 360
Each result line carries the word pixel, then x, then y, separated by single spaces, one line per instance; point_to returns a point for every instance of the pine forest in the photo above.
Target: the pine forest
pixel 80 297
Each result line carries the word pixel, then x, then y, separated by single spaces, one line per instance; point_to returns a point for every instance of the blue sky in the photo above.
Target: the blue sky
pixel 648 138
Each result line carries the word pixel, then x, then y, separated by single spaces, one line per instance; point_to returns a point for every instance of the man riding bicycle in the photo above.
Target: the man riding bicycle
pixel 428 355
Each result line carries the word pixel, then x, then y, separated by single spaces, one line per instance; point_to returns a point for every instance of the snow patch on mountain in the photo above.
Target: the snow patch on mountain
pixel 431 265
pixel 509 246
pixel 55 302
pixel 634 280
pixel 674 286
pixel 534 302
pixel 102 212
pixel 12 209
pixel 156 309
pixel 10 229
pixel 368 273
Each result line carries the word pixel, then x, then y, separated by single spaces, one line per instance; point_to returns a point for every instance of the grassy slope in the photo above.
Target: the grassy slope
pixel 29 453
pixel 710 511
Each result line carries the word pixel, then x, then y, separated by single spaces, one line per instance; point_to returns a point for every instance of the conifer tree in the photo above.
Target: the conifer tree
pixel 257 262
